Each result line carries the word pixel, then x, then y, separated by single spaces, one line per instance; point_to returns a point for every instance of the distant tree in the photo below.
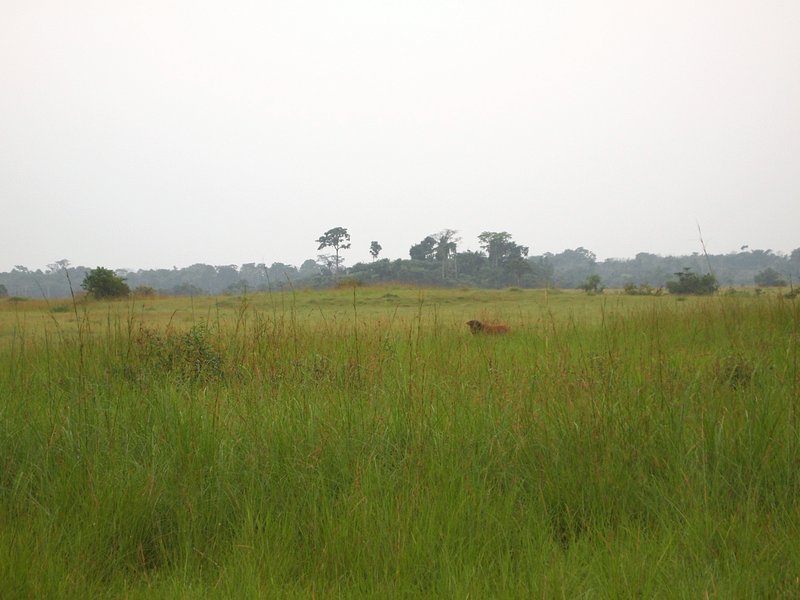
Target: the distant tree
pixel 692 283
pixel 573 267
pixel 592 285
pixel 580 254
pixel 375 249
pixel 56 267
pixel 338 239
pixel 470 263
pixel 424 250
pixel 446 245
pixel 103 283
pixel 375 271
pixel 499 246
pixel 227 276
pixel 769 277
pixel 255 275
pixel 279 270
pixel 794 262
pixel 3 291
pixel 52 275
pixel 309 268
pixel 144 291
pixel 542 271
pixel 494 244
pixel 327 263
pixel 518 266
pixel 200 276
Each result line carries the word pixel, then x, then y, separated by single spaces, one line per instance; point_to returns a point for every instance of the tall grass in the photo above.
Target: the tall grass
pixel 333 445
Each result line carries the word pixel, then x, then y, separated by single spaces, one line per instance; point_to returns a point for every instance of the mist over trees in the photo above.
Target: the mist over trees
pixel 436 260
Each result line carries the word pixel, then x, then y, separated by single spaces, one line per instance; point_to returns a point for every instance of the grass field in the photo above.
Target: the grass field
pixel 361 443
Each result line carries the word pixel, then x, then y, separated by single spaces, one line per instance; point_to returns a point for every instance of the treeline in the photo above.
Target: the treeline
pixel 60 280
pixel 493 268
pixel 574 268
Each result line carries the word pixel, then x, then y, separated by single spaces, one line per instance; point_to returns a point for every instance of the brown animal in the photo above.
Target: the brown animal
pixel 478 327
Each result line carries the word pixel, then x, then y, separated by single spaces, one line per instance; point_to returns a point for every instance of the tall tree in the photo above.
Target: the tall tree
pixel 424 250
pixel 338 239
pixel 446 246
pixel 375 249
pixel 495 244
pixel 500 248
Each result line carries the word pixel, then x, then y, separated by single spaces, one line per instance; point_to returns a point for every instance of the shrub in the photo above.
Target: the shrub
pixel 592 285
pixel 104 283
pixel 692 283
pixel 643 289
pixel 190 355
pixel 769 278
pixel 144 291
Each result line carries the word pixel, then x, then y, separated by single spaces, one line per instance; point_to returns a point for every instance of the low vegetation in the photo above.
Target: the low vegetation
pixel 362 442
pixel 689 282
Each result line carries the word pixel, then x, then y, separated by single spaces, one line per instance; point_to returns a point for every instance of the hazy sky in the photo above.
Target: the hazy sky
pixel 156 134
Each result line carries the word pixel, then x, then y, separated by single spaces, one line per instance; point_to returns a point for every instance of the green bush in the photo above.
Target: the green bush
pixel 103 283
pixel 190 355
pixel 692 283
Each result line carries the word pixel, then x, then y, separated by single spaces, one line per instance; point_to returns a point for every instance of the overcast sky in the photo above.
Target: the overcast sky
pixel 156 134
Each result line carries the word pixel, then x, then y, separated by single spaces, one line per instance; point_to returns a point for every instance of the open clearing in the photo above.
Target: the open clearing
pixel 363 443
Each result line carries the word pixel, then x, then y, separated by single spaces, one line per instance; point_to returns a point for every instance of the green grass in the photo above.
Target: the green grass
pixel 364 444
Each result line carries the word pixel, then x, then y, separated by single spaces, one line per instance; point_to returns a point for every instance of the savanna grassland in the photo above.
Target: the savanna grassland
pixel 362 443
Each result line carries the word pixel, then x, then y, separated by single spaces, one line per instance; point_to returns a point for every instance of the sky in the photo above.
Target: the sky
pixel 159 133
